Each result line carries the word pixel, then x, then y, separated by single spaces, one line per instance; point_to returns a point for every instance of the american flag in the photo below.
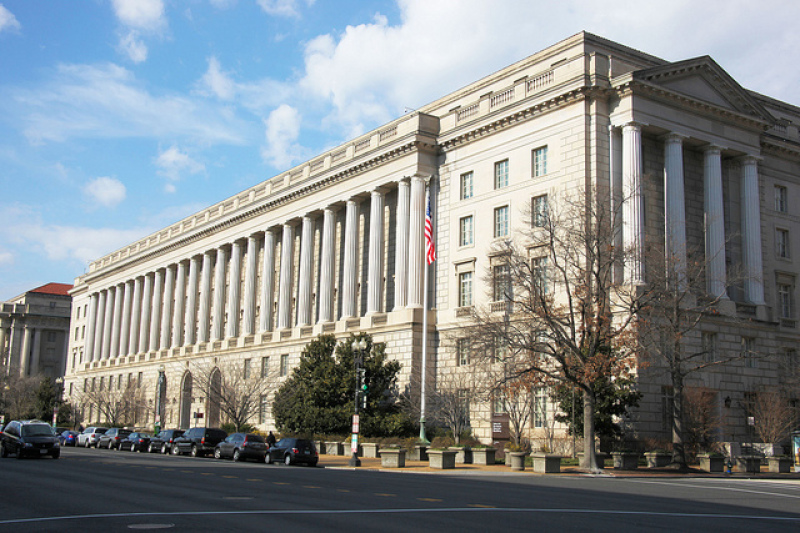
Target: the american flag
pixel 430 249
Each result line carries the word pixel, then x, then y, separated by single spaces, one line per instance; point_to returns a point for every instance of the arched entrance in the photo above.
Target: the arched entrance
pixel 214 398
pixel 186 402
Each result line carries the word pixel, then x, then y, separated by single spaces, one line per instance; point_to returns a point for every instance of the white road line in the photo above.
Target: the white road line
pixel 730 489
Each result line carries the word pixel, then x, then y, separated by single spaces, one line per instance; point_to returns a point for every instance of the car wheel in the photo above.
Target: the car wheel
pixel 237 456
pixel 287 460
pixel 194 452
pixel 3 450
pixel 119 447
pixel 268 459
pixel 56 455
pixel 175 450
pixel 149 448
pixel 217 453
pixel 164 449
pixel 86 443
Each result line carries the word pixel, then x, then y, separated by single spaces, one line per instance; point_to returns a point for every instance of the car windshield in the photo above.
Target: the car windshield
pixel 37 430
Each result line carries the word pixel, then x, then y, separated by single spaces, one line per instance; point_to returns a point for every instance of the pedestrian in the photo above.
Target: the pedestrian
pixel 270 440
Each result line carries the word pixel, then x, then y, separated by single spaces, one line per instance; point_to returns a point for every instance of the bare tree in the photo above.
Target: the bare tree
pixel 18 396
pixel 450 401
pixel 116 406
pixel 702 420
pixel 773 415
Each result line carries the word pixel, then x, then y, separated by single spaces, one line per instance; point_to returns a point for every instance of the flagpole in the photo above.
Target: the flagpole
pixel 427 267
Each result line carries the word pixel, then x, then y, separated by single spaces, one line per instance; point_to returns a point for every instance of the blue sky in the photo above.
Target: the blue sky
pixel 118 117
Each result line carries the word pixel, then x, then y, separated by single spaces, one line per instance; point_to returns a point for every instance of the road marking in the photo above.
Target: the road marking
pixel 254 479
pixel 731 489
pixel 481 506
pixel 311 487
pixel 385 494
pixel 187 471
pixel 342 490
pixel 231 477
pixel 206 473
pixel 429 499
pixel 279 483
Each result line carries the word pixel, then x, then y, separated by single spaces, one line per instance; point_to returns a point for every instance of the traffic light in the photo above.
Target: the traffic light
pixel 364 391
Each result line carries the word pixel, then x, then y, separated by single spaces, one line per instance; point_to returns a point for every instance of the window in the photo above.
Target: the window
pixel 499 403
pixel 781 199
pixel 465 289
pixel 466 186
pixel 749 352
pixel 539 162
pixel 500 347
pixel 139 380
pixel 246 369
pixel 102 380
pixel 77 331
pixel 284 364
pixel 501 221
pixel 463 348
pixel 501 283
pixel 667 403
pixel 539 211
pixel 786 300
pixel 263 409
pixel 466 236
pixel 501 174
pixel 119 382
pixel 51 336
pixel 462 396
pixel 539 272
pixel 94 382
pixel 540 407
pixel 782 243
pixel 709 347
pixel 85 384
pixel 264 367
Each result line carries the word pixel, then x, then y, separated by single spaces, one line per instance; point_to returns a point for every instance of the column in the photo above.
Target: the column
pixel 267 282
pixel 117 322
pixel 179 306
pixel 375 266
pixel 249 311
pixel 615 185
pixel 108 322
pixel 401 246
pixel 416 242
pixel 88 344
pixel 100 319
pixel 675 208
pixel 715 222
pixel 751 232
pixel 191 306
pixel 306 272
pixel 24 367
pixel 147 309
pixel 285 283
pixel 633 203
pixel 36 353
pixel 326 266
pixel 166 307
pixel 136 308
pixel 218 317
pixel 350 263
pixel 234 292
pixel 126 318
pixel 3 361
pixel 205 299
pixel 155 315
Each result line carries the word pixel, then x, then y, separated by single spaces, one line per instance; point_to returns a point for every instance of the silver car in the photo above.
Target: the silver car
pixel 90 436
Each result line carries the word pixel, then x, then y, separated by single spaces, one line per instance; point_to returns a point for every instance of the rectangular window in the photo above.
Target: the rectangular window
pixel 781 199
pixel 466 236
pixel 139 380
pixel 85 384
pixel 466 186
pixel 263 409
pixel 51 336
pixel 501 174
pixel 102 381
pixel 667 403
pixel 501 283
pixel 284 364
pixel 246 369
pixel 540 275
pixel 749 352
pixel 264 367
pixel 465 289
pixel 77 332
pixel 540 408
pixel 462 396
pixel 709 347
pixel 539 211
pixel 501 221
pixel 500 348
pixel 539 162
pixel 782 243
pixel 786 300
pixel 499 403
pixel 463 349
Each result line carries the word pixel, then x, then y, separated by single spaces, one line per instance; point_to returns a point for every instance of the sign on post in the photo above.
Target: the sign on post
pixel 355 424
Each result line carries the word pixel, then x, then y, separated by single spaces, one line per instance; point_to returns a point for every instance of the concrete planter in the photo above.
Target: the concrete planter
pixel 599 457
pixel 419 453
pixel 518 461
pixel 371 450
pixel 748 463
pixel 658 459
pixel 320 446
pixel 463 454
pixel 625 460
pixel 483 456
pixel 546 463
pixel 442 459
pixel 712 463
pixel 334 448
pixel 780 465
pixel 393 457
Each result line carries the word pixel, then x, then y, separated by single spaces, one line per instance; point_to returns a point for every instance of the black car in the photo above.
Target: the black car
pixel 135 442
pixel 32 438
pixel 198 441
pixel 241 446
pixel 292 451
pixel 111 438
pixel 163 441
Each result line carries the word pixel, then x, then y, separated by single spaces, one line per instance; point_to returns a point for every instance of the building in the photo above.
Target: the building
pixel 34 331
pixel 335 245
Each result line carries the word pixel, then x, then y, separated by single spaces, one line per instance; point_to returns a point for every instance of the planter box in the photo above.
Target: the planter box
pixel 393 457
pixel 443 459
pixel 518 461
pixel 599 457
pixel 483 456
pixel 320 446
pixel 419 453
pixel 625 460
pixel 658 459
pixel 463 454
pixel 748 463
pixel 546 463
pixel 780 465
pixel 371 450
pixel 334 448
pixel 711 463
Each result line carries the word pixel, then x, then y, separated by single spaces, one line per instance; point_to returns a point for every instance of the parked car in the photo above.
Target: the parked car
pixel 111 438
pixel 90 435
pixel 135 442
pixel 241 446
pixel 31 437
pixel 198 441
pixel 68 438
pixel 163 441
pixel 292 451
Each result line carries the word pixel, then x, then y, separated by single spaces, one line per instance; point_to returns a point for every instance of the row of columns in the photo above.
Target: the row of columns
pixel 171 307
pixel 24 354
pixel 627 188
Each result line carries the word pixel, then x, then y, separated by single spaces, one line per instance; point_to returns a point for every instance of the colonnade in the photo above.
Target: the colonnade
pixel 200 299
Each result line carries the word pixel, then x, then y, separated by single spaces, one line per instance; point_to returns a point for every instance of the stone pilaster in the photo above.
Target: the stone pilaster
pixel 267 282
pixel 326 266
pixel 349 268
pixel 100 320
pixel 88 343
pixel 125 329
pixel 179 306
pixel 249 305
pixel 108 322
pixel 633 203
pixel 416 242
pixel 190 324
pixel 285 283
pixel 401 245
pixel 305 281
pixel 136 311
pixel 234 290
pixel 155 315
pixel 147 310
pixel 116 324
pixel 205 299
pixel 375 266
pixel 715 222
pixel 751 231
pixel 675 207
pixel 218 316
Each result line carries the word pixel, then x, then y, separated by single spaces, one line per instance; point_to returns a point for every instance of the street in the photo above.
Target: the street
pixel 93 490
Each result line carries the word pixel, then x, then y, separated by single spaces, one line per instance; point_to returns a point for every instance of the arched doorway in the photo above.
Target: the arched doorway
pixel 186 402
pixel 214 398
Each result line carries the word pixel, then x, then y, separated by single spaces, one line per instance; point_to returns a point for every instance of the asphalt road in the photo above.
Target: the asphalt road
pixel 101 490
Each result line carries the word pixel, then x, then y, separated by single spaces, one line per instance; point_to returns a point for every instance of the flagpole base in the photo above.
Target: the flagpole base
pixel 422 438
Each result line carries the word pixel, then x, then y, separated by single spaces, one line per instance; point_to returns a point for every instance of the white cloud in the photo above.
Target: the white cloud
pixel 282 130
pixel 134 47
pixel 172 163
pixel 108 192
pixel 7 20
pixel 217 81
pixel 146 15
pixel 282 8
pixel 83 244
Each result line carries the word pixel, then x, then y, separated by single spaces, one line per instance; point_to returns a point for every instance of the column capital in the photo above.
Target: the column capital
pixel 633 125
pixel 749 159
pixel 712 148
pixel 674 137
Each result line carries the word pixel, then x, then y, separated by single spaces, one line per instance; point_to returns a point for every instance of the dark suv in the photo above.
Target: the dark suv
pixel 163 441
pixel 198 442
pixel 33 438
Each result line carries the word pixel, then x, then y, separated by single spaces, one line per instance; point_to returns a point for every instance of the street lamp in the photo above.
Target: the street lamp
pixel 159 393
pixel 359 346
pixel 59 393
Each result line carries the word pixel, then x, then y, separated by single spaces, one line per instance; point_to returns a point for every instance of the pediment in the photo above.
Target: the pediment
pixel 704 80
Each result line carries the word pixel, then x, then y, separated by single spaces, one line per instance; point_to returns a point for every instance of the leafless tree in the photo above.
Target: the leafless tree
pixel 18 395
pixel 115 404
pixel 449 403
pixel 772 414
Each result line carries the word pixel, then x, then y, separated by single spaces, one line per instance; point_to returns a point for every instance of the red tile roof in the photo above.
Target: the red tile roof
pixel 59 289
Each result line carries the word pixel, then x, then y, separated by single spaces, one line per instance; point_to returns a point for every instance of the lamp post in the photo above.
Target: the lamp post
pixel 159 405
pixel 59 393
pixel 359 346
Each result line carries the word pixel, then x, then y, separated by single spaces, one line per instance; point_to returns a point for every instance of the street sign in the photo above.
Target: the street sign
pixel 355 424
pixel 354 443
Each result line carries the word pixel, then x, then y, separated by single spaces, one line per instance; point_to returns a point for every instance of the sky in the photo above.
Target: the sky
pixel 120 117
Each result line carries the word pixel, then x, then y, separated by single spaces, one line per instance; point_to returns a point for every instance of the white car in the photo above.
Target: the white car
pixel 90 436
